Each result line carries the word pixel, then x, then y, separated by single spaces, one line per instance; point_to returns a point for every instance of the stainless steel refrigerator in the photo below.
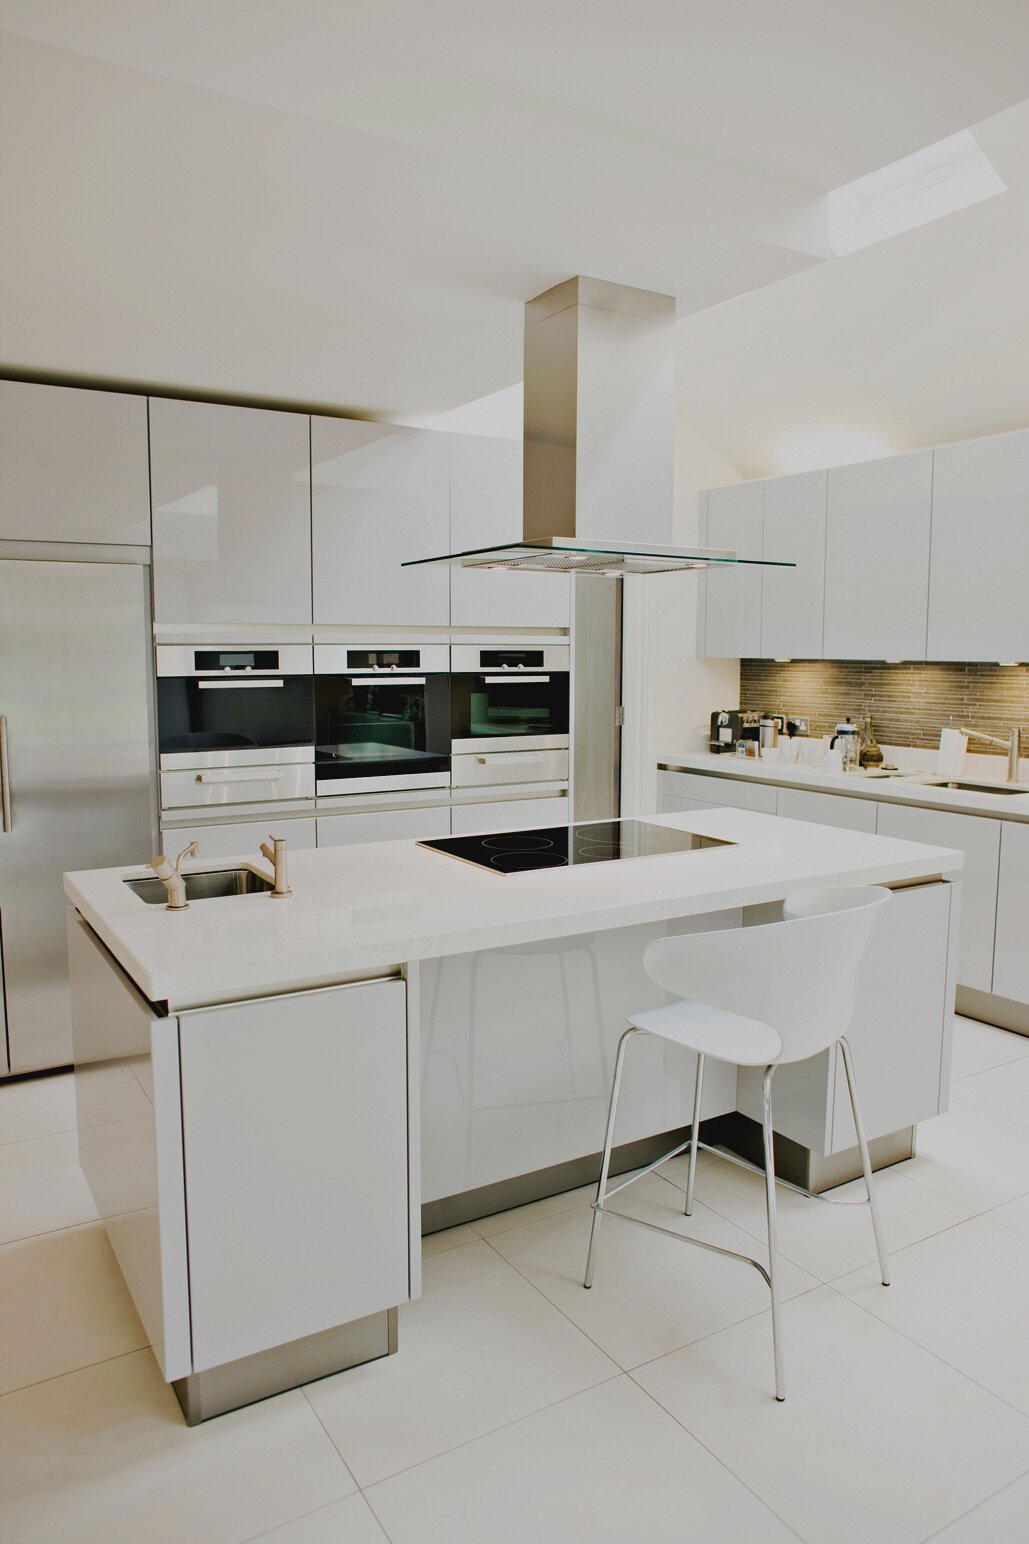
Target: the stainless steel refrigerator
pixel 77 772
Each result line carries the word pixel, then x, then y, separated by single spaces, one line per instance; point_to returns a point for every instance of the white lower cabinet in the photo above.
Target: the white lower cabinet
pixel 509 815
pixel 1011 961
pixel 716 792
pixel 294 1117
pixel 979 840
pixel 352 827
pixel 240 839
pixel 827 809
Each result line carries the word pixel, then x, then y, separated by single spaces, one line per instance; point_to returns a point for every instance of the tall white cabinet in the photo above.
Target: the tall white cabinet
pixel 735 517
pixel 231 514
pixel 73 465
pixel 1011 965
pixel 793 599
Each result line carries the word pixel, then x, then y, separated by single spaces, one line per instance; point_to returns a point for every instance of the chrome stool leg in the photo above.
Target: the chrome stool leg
pixel 866 1162
pixel 591 1258
pixel 691 1172
pixel 773 1245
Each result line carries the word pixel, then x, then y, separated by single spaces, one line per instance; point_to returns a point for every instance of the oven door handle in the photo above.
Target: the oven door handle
pixel 516 680
pixel 242 775
pixel 386 680
pixel 238 686
pixel 515 758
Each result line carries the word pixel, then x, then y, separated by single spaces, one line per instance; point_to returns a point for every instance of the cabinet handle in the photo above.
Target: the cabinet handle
pixel 516 758
pixel 516 680
pixel 380 680
pixel 243 775
pixel 5 777
pixel 237 686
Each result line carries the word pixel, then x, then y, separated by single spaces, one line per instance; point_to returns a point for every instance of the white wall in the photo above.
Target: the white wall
pixel 669 692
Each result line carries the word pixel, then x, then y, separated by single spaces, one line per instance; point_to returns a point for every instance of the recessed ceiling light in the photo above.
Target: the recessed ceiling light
pixel 1007 664
pixel 953 174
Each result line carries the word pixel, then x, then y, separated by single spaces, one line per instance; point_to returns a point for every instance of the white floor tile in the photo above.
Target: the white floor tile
pixel 1001 1090
pixel 822 1239
pixel 962 1295
pixel 977 1047
pixel 877 1439
pixel 534 1211
pixel 971 1155
pixel 1001 1520
pixel 480 1348
pixel 345 1522
pixel 1013 1215
pixel 65 1305
pixel 649 1293
pixel 607 1467
pixel 37 1107
pixel 103 1455
pixel 41 1186
pixel 447 1238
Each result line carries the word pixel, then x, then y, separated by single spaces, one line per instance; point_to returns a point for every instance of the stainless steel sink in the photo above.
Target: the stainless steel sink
pixel 207 886
pixel 985 787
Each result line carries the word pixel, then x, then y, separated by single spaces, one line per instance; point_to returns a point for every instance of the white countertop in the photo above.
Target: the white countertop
pixel 909 788
pixel 364 909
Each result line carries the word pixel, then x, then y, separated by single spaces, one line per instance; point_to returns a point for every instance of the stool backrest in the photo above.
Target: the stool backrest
pixel 799 975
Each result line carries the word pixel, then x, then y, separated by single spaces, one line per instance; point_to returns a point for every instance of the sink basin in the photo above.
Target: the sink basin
pixel 206 886
pixel 985 787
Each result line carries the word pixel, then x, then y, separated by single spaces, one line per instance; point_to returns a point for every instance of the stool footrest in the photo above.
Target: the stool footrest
pixel 684 1238
pixel 744 1163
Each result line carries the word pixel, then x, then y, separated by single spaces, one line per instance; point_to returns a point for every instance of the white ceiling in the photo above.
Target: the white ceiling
pixel 345 204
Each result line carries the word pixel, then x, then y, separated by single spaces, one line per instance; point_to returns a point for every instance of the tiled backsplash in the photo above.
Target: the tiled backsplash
pixel 909 703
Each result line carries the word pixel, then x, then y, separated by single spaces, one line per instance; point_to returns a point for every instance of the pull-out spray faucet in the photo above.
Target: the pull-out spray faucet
pixel 170 874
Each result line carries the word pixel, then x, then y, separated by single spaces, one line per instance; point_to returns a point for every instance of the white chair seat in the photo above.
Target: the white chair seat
pixel 712 1032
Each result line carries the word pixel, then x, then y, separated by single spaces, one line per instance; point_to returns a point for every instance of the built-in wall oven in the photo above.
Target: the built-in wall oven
pixel 382 717
pixel 509 714
pixel 235 725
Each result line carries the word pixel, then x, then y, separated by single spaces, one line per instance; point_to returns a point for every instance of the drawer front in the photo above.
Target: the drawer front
pixel 723 792
pixel 509 815
pixel 243 838
pixel 828 809
pixel 494 767
pixel 383 826
pixel 235 785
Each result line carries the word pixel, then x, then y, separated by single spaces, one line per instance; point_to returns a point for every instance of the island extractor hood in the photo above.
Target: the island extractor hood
pixel 599 440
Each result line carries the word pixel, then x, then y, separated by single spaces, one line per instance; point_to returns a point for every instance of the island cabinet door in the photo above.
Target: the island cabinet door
pixel 294 1113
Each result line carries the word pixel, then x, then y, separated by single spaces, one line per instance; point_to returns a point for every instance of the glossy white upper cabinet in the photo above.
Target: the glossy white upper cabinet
pixel 486 510
pixel 381 495
pixel 1011 963
pixel 231 512
pixel 73 465
pixel 877 558
pixel 792 599
pixel 980 555
pixel 733 596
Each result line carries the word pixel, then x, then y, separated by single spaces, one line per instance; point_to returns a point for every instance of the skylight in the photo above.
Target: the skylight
pixel 941 179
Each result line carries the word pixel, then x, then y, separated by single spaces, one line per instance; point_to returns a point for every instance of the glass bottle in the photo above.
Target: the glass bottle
pixel 871 755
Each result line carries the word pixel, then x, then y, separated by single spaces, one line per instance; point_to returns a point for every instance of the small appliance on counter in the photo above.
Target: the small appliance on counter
pixel 729 725
pixel 848 737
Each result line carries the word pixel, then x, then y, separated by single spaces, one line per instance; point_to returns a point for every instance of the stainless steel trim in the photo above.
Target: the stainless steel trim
pixel 509 767
pixel 74 552
pixel 241 775
pixel 230 684
pixel 5 776
pixel 516 679
pixel 259 756
pixel 501 742
pixel 177 659
pixel 382 679
pixel 396 783
pixel 512 758
pixel 189 788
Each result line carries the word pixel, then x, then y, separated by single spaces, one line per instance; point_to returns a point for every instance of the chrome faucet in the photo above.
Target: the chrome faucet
pixel 276 855
pixel 170 875
pixel 1012 744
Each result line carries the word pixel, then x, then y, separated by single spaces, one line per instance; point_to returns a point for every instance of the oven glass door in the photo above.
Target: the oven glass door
pixel 517 706
pixel 234 712
pixel 382 726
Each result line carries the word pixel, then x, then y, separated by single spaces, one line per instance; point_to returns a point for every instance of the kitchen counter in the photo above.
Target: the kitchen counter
pixel 360 910
pixel 907 788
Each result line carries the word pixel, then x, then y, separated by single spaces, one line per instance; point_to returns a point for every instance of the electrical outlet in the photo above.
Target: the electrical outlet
pixel 803 724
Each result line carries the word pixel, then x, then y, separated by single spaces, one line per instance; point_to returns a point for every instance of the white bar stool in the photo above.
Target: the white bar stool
pixel 737 1001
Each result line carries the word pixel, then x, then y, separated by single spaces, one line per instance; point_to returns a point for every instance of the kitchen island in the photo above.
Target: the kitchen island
pixel 273 1093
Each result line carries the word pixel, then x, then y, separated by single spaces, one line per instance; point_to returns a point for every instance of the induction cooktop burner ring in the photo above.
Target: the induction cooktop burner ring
pixel 517 841
pixel 598 849
pixel 520 862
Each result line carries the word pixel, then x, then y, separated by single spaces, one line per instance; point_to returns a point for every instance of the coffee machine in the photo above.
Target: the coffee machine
pixel 729 725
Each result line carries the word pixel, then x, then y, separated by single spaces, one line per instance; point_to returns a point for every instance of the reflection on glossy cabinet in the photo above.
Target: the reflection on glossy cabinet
pixel 231 511
pixel 877 558
pixel 1011 965
pixel 720 792
pixel 979 840
pixel 733 596
pixel 827 809
pixel 73 465
pixel 380 495
pixel 486 509
pixel 980 555
pixel 792 599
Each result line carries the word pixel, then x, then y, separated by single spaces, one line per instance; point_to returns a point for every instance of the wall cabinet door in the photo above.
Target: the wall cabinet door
pixel 792 599
pixel 733 596
pixel 73 465
pixel 827 809
pixel 980 553
pixel 231 509
pixel 380 495
pixel 294 1116
pixel 877 558
pixel 1011 965
pixel 979 840
pixel 722 792
pixel 486 510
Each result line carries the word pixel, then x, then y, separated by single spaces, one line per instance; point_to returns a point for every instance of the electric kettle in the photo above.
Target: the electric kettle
pixel 848 736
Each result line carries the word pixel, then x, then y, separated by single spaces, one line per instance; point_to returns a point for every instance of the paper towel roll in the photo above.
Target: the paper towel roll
pixel 951 759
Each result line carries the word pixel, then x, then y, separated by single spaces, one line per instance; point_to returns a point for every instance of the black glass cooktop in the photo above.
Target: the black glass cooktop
pixel 602 841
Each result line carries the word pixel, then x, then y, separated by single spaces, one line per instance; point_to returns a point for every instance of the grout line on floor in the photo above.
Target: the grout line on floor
pixel 973 1509
pixel 73 1372
pixel 255 1538
pixel 331 1439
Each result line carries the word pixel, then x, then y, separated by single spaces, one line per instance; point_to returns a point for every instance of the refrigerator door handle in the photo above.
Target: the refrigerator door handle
pixel 5 777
